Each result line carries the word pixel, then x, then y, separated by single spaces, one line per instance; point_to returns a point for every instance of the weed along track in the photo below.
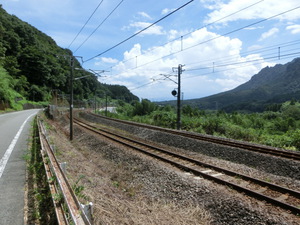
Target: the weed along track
pixel 222 141
pixel 265 191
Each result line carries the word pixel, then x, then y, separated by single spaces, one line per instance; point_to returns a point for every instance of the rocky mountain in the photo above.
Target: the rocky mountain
pixel 271 86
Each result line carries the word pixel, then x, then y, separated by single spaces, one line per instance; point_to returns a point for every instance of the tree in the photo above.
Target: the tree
pixel 145 107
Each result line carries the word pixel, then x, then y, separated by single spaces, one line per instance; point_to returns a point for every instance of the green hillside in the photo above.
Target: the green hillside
pixel 33 67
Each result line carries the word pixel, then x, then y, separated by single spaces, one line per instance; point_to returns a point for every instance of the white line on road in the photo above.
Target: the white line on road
pixel 8 152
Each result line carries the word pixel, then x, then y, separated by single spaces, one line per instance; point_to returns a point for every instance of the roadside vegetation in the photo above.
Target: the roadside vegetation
pixel 279 126
pixel 10 98
pixel 39 208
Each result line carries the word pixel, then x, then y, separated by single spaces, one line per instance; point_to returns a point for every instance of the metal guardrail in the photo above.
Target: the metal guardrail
pixel 75 209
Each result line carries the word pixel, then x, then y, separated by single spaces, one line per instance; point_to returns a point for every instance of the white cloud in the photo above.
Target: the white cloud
pixel 145 15
pixel 295 29
pixel 269 33
pixel 109 60
pixel 155 29
pixel 254 47
pixel 253 28
pixel 262 10
pixel 212 4
pixel 141 66
pixel 166 11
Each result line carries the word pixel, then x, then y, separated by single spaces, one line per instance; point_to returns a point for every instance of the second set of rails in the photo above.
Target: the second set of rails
pixel 283 197
pixel 223 141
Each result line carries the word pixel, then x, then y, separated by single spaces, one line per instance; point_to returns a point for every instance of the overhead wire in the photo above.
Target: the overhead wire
pixel 85 24
pixel 233 31
pixel 99 26
pixel 242 28
pixel 217 37
pixel 233 57
pixel 206 25
pixel 247 61
pixel 272 58
pixel 137 33
pixel 151 82
pixel 285 54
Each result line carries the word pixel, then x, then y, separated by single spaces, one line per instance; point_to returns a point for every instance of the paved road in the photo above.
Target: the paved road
pixel 14 131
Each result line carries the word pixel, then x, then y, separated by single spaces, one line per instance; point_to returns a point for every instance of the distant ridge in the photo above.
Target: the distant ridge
pixel 271 86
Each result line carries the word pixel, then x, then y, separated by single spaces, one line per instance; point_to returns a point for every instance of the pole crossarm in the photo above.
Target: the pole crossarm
pixel 168 77
pixel 98 72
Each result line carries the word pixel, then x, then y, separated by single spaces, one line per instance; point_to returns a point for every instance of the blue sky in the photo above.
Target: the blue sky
pixel 222 43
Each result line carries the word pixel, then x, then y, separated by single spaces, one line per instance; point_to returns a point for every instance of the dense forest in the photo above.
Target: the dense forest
pixel 33 67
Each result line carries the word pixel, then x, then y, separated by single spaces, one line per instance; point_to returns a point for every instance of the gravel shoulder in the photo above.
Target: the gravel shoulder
pixel 130 188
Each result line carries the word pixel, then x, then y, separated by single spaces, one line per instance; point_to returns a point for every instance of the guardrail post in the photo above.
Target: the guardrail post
pixel 63 167
pixel 52 148
pixel 88 210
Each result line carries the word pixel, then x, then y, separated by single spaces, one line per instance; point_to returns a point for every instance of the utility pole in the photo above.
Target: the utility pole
pixel 106 104
pixel 72 63
pixel 179 97
pixel 72 79
pixel 178 92
pixel 71 98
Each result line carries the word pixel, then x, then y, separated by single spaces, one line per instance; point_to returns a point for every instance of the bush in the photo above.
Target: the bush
pixel 214 125
pixel 278 141
pixel 164 119
pixel 295 136
pixel 240 133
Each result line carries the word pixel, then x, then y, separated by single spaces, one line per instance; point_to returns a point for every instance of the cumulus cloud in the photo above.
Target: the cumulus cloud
pixel 145 15
pixel 109 60
pixel 166 11
pixel 295 29
pixel 269 33
pixel 154 30
pixel 262 10
pixel 205 72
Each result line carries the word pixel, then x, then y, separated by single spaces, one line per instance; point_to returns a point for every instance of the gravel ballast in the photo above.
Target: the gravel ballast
pixel 158 182
pixel 274 165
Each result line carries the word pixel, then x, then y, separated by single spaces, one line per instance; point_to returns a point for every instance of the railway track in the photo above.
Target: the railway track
pixel 277 195
pixel 227 142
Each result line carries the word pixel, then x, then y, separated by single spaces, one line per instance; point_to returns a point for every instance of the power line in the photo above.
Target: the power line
pixel 99 26
pixel 209 24
pixel 283 57
pixel 260 50
pixel 248 61
pixel 169 14
pixel 255 61
pixel 231 63
pixel 214 38
pixel 143 85
pixel 241 28
pixel 85 24
pixel 272 58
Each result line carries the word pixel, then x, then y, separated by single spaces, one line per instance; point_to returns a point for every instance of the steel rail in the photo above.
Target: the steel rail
pixel 141 146
pixel 222 141
pixel 77 214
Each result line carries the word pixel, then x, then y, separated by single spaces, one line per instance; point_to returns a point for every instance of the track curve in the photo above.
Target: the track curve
pixel 222 141
pixel 285 198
